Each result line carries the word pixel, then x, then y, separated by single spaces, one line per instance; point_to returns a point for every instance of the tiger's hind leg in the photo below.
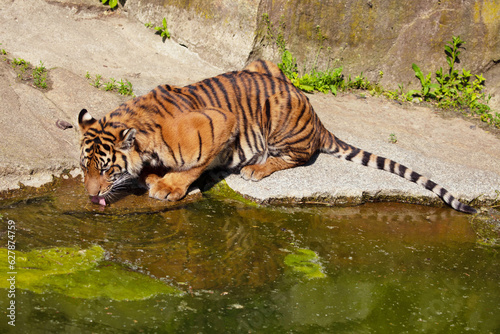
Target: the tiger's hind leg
pixel 290 128
pixel 259 171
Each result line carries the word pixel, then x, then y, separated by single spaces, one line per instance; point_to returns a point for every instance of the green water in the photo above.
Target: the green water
pixel 376 268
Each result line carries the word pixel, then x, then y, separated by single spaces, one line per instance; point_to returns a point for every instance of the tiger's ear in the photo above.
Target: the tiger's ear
pixel 127 139
pixel 85 120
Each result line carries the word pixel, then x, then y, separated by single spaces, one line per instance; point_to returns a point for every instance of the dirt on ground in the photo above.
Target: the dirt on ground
pixel 77 42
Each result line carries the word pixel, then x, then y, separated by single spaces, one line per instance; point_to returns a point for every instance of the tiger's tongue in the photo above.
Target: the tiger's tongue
pixel 98 200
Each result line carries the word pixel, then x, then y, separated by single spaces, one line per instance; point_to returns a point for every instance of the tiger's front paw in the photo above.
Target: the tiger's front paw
pixel 163 191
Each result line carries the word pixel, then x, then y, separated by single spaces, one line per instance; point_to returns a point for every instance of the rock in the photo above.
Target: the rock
pixel 361 36
pixel 221 31
pixel 70 41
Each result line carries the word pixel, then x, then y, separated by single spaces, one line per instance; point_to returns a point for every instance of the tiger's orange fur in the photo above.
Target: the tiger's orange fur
pixel 254 121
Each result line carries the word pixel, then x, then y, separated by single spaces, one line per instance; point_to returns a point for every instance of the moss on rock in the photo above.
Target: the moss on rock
pixel 306 262
pixel 79 273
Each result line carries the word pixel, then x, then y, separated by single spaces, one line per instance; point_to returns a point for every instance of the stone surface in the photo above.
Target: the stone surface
pixel 71 39
pixel 220 30
pixel 362 36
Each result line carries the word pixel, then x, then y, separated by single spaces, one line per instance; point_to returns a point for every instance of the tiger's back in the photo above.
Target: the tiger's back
pixel 261 132
pixel 255 121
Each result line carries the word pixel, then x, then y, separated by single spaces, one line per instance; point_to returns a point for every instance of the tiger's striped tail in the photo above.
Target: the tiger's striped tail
pixel 340 149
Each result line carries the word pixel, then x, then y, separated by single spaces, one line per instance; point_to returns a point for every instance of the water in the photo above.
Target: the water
pixel 387 268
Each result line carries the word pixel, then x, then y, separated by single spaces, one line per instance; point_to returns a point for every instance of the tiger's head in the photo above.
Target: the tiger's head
pixel 108 156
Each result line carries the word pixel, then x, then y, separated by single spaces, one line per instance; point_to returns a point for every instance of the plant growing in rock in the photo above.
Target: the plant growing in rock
pixel 331 80
pixel 125 88
pixel 392 138
pixel 456 89
pixel 20 65
pixel 40 76
pixel 428 87
pixel 97 81
pixel 122 87
pixel 360 82
pixel 112 3
pixel 110 85
pixel 163 30
pixel 450 88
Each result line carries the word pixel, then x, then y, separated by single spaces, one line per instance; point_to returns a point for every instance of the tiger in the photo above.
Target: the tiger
pixel 253 121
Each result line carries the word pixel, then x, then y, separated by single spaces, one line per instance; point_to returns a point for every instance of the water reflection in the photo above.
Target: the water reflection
pixel 391 268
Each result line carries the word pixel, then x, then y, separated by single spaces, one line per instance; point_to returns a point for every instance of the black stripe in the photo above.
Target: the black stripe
pixel 188 103
pixel 180 154
pixel 194 97
pixel 125 162
pixel 212 129
pixel 104 139
pixel 168 98
pixel 311 130
pixel 303 112
pixel 204 89
pixel 116 125
pixel 266 68
pixel 165 143
pixel 354 153
pixel 224 92
pixel 241 154
pixel 244 116
pixel 107 133
pixel 366 158
pixel 102 122
pixel 159 102
pixel 392 165
pixel 155 109
pixel 451 199
pixel 402 170
pixel 115 113
pixel 208 83
pixel 380 162
pixel 220 112
pixel 129 111
pixel 146 127
pixel 414 176
pixel 258 93
pixel 253 147
pixel 300 139
pixel 267 108
pixel 200 146
pixel 264 80
pixel 270 78
pixel 92 131
pixel 430 185
pixel 235 84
